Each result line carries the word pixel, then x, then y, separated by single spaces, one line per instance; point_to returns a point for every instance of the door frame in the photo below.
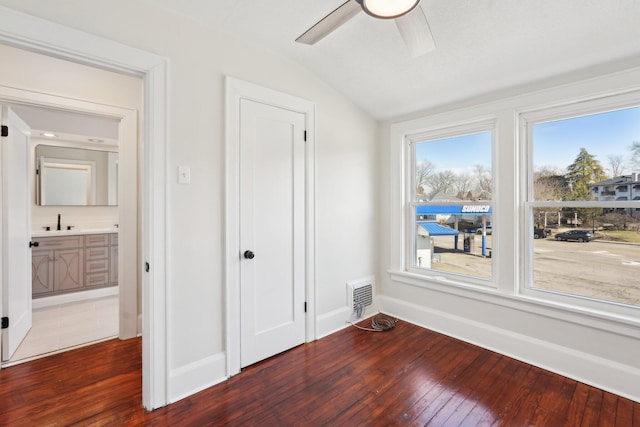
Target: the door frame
pixel 236 90
pixel 44 37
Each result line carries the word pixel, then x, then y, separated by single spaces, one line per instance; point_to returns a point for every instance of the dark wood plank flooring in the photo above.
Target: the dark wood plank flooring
pixel 407 376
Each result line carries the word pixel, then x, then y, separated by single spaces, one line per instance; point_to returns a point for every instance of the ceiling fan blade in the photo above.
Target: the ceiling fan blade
pixel 330 22
pixel 415 32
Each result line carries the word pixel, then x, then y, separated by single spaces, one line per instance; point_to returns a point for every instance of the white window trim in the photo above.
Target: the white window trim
pixel 410 141
pixel 405 135
pixel 599 104
pixel 508 201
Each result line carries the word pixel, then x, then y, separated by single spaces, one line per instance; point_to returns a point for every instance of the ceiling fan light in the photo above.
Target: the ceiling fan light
pixel 387 9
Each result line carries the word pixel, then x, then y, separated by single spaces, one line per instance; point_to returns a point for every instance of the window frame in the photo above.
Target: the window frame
pixel 508 201
pixel 410 203
pixel 527 120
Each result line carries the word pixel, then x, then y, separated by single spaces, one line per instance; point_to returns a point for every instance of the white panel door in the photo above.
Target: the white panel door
pixel 16 226
pixel 272 228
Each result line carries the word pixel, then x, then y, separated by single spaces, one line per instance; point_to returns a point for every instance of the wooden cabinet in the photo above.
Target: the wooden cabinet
pixel 62 264
pixel 96 255
pixel 57 265
pixel 67 270
pixel 113 257
pixel 42 272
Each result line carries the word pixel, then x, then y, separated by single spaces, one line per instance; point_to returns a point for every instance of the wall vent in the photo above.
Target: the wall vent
pixel 360 296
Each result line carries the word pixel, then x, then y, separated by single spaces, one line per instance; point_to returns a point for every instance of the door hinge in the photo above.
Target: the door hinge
pixel 305 136
pixel 5 130
pixel 146 267
pixel 305 306
pixel 5 322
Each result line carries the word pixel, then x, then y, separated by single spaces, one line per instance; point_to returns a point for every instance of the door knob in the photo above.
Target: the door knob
pixel 34 244
pixel 249 254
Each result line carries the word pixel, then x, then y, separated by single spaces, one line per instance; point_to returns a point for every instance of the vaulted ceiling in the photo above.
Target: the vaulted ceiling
pixel 482 46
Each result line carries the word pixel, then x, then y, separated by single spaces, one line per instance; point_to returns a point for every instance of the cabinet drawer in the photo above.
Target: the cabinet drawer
pixel 96 279
pixel 113 239
pixel 100 252
pixel 65 242
pixel 97 265
pixel 96 239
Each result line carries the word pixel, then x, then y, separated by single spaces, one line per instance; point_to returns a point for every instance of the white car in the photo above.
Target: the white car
pixel 479 230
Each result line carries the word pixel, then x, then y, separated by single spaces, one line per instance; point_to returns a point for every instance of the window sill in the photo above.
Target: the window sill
pixel 606 321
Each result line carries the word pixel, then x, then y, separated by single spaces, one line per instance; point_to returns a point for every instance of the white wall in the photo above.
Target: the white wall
pixel 346 160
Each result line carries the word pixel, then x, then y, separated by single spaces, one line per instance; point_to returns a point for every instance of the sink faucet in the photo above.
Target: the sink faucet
pixel 58 228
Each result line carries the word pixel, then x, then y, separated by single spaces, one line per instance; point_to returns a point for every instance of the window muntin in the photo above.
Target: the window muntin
pixel 583 172
pixel 450 208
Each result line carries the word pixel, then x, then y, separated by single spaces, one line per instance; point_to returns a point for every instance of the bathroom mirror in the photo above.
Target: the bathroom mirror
pixel 68 176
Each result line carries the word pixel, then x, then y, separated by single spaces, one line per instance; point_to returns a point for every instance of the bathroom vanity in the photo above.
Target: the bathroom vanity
pixel 72 261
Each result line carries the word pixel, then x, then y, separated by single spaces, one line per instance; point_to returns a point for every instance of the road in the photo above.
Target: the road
pixel 603 270
pixel 598 269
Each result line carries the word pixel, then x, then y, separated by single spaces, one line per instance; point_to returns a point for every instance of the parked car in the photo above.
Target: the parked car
pixel 578 235
pixel 489 230
pixel 539 233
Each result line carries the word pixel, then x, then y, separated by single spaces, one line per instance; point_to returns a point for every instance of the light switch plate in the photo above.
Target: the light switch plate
pixel 184 175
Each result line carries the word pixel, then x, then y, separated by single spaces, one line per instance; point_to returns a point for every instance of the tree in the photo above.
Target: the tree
pixel 484 180
pixel 462 186
pixel 424 169
pixel 635 153
pixel 584 170
pixel 441 182
pixel 549 184
pixel 616 165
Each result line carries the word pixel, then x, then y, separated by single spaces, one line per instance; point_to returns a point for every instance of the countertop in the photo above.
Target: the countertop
pixel 72 232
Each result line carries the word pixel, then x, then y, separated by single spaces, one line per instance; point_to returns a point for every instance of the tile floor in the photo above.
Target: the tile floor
pixel 61 327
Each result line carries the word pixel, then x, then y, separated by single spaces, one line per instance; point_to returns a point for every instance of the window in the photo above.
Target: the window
pixel 593 251
pixel 450 227
pixel 527 143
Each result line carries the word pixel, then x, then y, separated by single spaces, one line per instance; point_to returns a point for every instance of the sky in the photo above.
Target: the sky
pixel 606 134
pixel 556 144
pixel 459 154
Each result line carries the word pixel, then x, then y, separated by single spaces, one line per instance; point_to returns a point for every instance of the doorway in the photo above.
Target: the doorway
pixel 72 273
pixel 58 41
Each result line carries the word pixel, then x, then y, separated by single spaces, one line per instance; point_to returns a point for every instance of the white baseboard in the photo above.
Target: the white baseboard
pixel 611 376
pixel 336 320
pixel 196 376
pixel 332 321
pixel 74 297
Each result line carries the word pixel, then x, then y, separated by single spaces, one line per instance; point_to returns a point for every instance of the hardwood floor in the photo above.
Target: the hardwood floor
pixel 406 376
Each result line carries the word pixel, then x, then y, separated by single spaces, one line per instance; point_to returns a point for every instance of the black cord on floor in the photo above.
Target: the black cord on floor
pixel 379 323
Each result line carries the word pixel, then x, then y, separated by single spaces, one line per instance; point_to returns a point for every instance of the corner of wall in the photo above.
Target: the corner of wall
pixel 336 320
pixel 332 322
